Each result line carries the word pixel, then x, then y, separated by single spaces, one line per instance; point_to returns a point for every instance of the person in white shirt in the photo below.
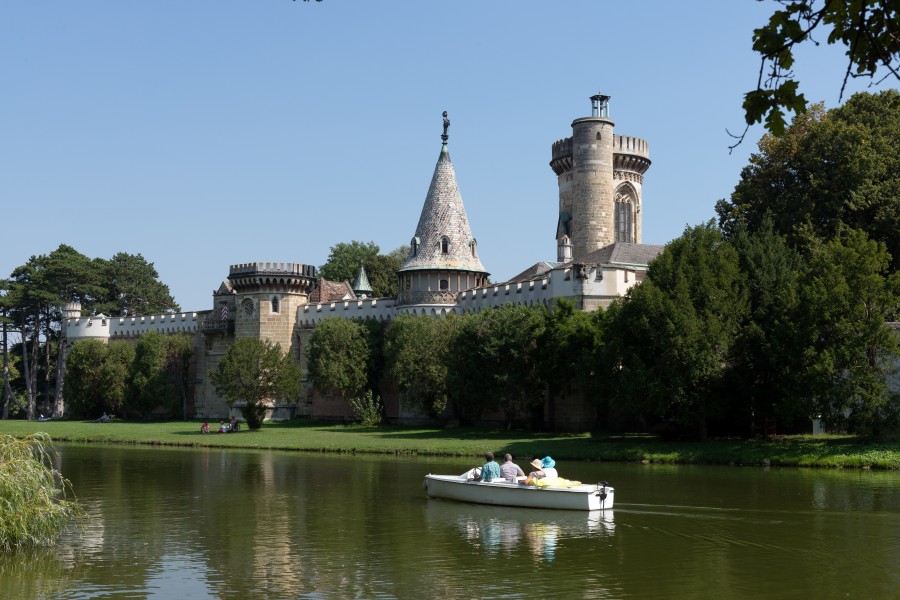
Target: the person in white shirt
pixel 548 466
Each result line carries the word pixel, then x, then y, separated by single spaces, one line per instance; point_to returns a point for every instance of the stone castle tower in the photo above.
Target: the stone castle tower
pixel 443 260
pixel 600 176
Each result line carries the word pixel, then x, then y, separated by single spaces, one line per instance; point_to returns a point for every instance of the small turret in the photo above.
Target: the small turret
pixel 72 310
pixel 361 286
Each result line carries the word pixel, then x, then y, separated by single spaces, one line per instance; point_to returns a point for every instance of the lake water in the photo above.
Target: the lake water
pixel 174 523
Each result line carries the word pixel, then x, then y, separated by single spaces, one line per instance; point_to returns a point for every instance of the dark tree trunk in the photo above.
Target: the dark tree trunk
pixel 26 372
pixel 59 403
pixel 7 391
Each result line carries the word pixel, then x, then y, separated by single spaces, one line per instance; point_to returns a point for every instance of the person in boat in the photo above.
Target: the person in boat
pixel 509 470
pixel 538 473
pixel 548 466
pixel 490 470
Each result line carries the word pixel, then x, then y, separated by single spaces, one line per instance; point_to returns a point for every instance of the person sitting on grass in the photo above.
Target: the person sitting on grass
pixel 223 428
pixel 491 469
pixel 205 427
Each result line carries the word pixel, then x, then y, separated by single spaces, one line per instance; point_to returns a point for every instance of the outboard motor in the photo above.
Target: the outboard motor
pixel 601 491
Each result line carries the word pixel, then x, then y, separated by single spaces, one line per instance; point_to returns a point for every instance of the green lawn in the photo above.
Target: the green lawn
pixel 305 435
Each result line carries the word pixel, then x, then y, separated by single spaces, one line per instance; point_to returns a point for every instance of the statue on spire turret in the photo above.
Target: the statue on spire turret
pixel 444 136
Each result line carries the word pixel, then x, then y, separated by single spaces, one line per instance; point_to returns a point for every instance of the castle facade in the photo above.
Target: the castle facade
pixel 599 257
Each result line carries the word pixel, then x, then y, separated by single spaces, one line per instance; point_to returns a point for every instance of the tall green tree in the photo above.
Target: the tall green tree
pixel 849 350
pixel 416 349
pixel 565 351
pixel 96 374
pixel 157 377
pixel 338 357
pixel 39 289
pixel 254 372
pixel 493 364
pixel 512 341
pixel 131 286
pixel 866 28
pixel 831 170
pixel 468 368
pixel 765 364
pixel 672 335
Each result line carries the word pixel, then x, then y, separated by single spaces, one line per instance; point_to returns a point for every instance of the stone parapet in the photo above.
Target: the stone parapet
pixel 102 327
pixel 380 309
pixel 266 276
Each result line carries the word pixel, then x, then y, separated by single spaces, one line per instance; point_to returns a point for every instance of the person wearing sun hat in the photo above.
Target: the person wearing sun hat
pixel 548 467
pixel 538 472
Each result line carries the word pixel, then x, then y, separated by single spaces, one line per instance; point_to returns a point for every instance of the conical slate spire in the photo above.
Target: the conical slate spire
pixel 443 238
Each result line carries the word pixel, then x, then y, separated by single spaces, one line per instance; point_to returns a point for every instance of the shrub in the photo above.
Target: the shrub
pixel 34 496
pixel 368 409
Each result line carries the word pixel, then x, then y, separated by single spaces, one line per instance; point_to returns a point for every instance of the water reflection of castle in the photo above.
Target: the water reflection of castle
pixel 599 257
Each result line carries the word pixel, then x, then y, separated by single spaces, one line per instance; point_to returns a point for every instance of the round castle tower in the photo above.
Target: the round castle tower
pixel 600 176
pixel 266 297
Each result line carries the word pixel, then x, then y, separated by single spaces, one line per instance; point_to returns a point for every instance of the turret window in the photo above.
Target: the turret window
pixel 276 305
pixel 414 247
pixel 445 245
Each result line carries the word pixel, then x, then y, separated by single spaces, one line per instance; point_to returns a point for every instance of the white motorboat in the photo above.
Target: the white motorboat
pixel 582 496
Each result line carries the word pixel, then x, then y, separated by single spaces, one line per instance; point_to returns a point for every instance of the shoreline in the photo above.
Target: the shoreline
pixel 821 451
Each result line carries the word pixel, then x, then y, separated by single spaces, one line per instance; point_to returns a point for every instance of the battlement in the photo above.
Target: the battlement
pixel 103 327
pixel 626 144
pixel 630 154
pixel 272 276
pixel 561 160
pixel 271 268
pixel 380 309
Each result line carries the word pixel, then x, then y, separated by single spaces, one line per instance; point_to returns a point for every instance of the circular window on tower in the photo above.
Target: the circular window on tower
pixel 247 306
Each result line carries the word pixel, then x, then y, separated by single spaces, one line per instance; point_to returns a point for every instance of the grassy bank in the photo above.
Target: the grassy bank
pixel 805 451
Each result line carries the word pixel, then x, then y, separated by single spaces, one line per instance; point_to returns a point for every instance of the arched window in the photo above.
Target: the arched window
pixel 624 216
pixel 445 245
pixel 414 247
pixel 247 305
pixel 276 305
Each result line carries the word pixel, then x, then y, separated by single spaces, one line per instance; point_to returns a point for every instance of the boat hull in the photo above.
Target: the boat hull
pixel 581 497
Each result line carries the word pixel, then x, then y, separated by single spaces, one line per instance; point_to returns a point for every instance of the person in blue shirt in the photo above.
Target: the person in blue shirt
pixel 490 470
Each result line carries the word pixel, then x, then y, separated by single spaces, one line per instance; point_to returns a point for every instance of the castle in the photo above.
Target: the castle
pixel 599 257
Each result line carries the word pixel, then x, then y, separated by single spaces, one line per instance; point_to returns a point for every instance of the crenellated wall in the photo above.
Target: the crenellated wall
pixel 103 327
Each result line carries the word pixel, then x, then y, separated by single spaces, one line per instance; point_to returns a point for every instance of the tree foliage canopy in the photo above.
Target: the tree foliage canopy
pixel 254 372
pixel 338 355
pixel 345 259
pixel 96 374
pixel 416 349
pixel 868 29
pixel 830 171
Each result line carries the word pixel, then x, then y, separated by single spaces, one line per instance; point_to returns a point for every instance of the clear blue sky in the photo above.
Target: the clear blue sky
pixel 204 133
